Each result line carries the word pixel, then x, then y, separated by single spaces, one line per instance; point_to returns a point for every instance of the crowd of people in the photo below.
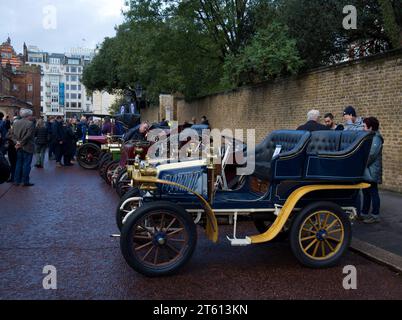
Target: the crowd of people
pixel 25 136
pixel 373 173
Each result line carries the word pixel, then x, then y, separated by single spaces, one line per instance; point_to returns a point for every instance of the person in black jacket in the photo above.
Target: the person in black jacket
pixel 313 124
pixel 68 144
pixel 58 139
pixel 41 143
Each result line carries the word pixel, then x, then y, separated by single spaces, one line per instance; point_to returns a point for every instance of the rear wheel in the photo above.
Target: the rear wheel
pixel 320 235
pixel 158 239
pixel 88 156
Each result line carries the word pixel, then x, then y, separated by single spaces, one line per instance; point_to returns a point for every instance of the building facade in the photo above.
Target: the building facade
pixel 19 84
pixel 62 92
pixel 9 56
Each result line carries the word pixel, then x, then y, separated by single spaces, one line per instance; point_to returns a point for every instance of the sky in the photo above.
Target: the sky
pixel 57 25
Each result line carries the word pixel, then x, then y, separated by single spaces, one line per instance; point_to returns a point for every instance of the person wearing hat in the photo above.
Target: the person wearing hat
pixel 352 122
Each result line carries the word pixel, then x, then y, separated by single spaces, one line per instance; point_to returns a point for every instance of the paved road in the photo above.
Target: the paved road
pixel 66 221
pixel 387 234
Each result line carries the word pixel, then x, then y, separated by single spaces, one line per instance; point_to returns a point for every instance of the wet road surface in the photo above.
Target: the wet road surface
pixel 66 221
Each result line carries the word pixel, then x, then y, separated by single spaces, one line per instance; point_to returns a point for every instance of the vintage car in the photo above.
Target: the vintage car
pixel 304 188
pixel 95 148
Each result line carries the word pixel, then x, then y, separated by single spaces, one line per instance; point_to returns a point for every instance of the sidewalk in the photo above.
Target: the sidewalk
pixel 387 234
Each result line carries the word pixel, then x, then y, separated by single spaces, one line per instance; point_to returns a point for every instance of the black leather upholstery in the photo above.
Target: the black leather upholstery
pixel 324 141
pixel 291 142
pixel 338 155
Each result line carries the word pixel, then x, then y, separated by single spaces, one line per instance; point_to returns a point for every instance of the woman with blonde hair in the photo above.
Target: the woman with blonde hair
pixel 41 143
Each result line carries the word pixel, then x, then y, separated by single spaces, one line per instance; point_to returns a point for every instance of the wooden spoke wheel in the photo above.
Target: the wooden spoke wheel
pixel 158 239
pixel 320 235
pixel 106 157
pixel 110 170
pixel 89 155
pixel 122 183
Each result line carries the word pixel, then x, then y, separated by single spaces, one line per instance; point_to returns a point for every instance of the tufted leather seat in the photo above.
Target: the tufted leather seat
pixel 324 141
pixel 338 155
pixel 291 142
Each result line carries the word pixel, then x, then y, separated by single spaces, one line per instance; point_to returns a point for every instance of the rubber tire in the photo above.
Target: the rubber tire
pixel 126 243
pixel 82 163
pixel 106 157
pixel 134 192
pixel 103 167
pixel 119 185
pixel 262 228
pixel 294 234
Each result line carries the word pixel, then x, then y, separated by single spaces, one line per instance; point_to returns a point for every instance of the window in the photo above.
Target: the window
pixel 79 105
pixel 54 61
pixel 73 61
pixel 55 89
pixel 73 105
pixel 54 70
pixel 73 87
pixel 54 79
pixel 30 88
pixel 67 96
pixel 15 87
pixel 79 87
pixel 67 78
pixel 67 87
pixel 55 99
pixel 67 104
pixel 73 96
pixel 79 96
pixel 73 78
pixel 73 69
pixel 79 69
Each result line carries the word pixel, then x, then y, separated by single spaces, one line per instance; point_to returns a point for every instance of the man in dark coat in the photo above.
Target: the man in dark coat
pixel 137 133
pixel 58 139
pixel 313 124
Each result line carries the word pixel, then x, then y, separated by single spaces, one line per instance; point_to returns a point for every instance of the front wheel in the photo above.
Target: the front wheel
pixel 158 239
pixel 320 235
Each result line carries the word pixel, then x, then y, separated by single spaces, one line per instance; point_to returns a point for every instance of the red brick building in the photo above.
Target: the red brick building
pixel 20 85
pixel 9 56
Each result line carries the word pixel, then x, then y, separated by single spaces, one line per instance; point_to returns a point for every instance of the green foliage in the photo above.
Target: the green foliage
pixel 271 53
pixel 391 18
pixel 198 47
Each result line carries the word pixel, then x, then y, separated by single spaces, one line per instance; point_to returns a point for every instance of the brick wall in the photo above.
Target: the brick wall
pixel 372 85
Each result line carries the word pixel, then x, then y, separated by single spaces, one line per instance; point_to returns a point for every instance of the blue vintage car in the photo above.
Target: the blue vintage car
pixel 304 188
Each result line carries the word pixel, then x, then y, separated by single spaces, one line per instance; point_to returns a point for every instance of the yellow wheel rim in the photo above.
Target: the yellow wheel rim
pixel 321 235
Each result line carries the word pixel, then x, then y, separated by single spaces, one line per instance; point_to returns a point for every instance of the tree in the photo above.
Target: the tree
pixel 392 16
pixel 271 53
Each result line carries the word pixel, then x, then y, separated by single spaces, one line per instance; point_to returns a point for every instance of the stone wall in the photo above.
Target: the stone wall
pixel 372 85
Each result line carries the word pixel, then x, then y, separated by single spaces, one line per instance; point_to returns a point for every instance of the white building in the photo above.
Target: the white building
pixel 62 92
pixel 102 101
